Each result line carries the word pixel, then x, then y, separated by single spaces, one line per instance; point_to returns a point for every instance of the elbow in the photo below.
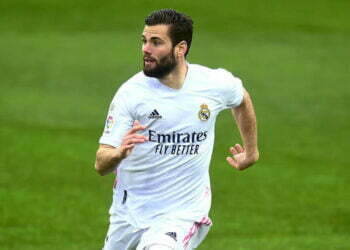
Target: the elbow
pixel 99 169
pixel 98 164
pixel 105 162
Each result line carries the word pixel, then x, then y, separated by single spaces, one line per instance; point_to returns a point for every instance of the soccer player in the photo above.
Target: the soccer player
pixel 159 138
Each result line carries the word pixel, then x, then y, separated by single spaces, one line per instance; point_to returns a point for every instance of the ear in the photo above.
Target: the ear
pixel 181 49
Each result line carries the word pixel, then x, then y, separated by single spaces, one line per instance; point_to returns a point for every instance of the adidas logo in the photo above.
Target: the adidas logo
pixel 154 115
pixel 172 235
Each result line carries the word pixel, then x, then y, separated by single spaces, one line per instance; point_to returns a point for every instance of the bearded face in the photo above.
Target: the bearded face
pixel 158 51
pixel 161 67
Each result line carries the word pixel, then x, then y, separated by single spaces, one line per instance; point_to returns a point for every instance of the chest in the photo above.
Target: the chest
pixel 182 112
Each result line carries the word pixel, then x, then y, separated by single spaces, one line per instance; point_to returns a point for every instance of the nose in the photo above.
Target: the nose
pixel 146 48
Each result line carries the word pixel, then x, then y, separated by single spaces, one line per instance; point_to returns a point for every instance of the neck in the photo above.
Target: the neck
pixel 176 78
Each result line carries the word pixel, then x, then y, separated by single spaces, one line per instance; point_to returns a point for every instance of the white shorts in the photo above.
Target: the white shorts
pixel 177 234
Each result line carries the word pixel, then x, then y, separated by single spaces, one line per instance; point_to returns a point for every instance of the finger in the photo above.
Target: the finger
pixel 136 128
pixel 137 136
pixel 239 148
pixel 232 162
pixel 136 123
pixel 129 146
pixel 233 150
pixel 132 141
pixel 127 149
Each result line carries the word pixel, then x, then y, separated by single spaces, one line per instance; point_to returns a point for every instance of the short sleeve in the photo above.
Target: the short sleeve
pixel 119 120
pixel 231 89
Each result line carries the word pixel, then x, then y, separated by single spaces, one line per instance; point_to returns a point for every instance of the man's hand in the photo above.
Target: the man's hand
pixel 131 138
pixel 108 157
pixel 240 160
pixel 244 157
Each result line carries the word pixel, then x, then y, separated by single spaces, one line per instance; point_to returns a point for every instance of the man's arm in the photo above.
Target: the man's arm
pixel 108 157
pixel 244 157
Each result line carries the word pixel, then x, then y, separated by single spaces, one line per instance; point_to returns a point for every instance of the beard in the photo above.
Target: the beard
pixel 162 67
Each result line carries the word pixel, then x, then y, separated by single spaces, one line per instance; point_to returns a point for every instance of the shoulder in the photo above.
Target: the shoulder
pixel 216 76
pixel 200 71
pixel 134 83
pixel 136 86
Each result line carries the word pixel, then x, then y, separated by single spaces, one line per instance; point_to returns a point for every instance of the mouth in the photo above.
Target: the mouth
pixel 148 61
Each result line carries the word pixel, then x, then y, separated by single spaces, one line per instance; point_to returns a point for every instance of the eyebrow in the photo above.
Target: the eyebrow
pixel 152 38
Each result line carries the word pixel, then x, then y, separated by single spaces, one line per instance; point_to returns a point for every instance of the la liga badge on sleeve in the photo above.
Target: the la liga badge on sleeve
pixel 109 124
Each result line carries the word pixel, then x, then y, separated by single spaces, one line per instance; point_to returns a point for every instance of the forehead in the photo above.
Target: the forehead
pixel 160 30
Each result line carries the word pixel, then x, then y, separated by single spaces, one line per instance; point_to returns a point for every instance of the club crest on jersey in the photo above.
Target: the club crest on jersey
pixel 204 113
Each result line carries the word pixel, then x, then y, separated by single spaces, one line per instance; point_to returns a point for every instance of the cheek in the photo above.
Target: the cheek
pixel 166 52
pixel 164 49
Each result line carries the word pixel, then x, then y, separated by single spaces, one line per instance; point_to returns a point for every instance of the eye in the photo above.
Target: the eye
pixel 157 42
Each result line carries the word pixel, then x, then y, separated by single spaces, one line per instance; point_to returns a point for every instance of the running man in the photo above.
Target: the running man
pixel 159 138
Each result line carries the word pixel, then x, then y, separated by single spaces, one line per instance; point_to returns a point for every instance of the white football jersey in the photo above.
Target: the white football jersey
pixel 169 174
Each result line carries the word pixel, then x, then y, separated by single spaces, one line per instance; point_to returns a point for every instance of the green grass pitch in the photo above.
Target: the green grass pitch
pixel 62 61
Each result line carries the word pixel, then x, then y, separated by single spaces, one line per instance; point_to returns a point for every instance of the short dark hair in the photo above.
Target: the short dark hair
pixel 181 26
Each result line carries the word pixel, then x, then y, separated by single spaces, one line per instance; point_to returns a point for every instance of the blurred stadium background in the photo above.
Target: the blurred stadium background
pixel 61 62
